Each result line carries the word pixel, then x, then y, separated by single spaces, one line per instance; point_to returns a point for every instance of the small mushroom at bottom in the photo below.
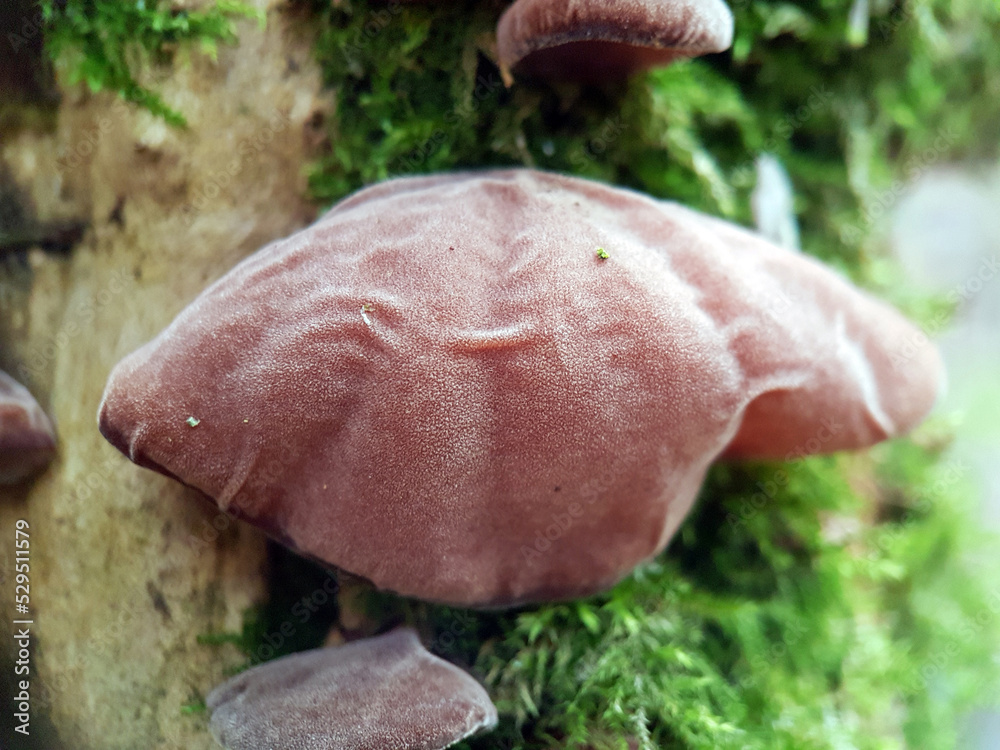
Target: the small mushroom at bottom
pixel 27 439
pixel 382 693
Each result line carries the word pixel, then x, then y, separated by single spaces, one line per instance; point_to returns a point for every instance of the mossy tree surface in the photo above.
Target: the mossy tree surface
pixel 101 43
pixel 827 602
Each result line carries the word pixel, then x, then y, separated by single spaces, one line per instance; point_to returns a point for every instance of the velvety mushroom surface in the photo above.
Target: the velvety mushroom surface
pixel 27 439
pixel 383 693
pixel 595 40
pixel 498 387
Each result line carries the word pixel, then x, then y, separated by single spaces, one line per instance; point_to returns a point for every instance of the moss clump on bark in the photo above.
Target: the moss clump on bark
pixel 101 43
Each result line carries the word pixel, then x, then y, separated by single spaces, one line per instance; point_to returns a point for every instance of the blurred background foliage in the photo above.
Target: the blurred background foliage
pixel 833 602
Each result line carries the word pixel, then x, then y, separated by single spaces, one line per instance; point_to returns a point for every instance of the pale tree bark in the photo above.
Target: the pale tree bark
pixel 128 568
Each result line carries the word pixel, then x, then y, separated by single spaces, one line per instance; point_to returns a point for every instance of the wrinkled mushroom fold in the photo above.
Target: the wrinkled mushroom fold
pixel 382 693
pixel 506 386
pixel 27 438
pixel 599 40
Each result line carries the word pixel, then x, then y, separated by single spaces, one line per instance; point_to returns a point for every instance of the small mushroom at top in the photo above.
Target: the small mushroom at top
pixel 598 40
pixel 382 693
pixel 27 438
pixel 515 417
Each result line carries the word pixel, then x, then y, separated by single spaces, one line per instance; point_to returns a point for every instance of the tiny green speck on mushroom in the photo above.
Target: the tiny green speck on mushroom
pixel 192 421
pixel 194 707
pixel 602 253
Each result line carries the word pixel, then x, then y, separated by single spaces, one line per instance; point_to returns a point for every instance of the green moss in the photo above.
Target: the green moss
pixel 195 707
pixel 101 43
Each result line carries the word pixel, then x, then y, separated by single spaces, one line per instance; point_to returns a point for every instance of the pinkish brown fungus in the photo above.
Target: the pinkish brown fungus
pixel 499 387
pixel 597 40
pixel 383 693
pixel 27 439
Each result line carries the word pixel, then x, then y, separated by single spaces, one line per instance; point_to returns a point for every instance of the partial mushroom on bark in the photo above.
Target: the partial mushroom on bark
pixel 382 693
pixel 597 40
pixel 27 438
pixel 441 387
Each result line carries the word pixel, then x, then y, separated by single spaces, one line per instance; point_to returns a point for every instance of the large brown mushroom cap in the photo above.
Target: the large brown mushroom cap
pixel 27 439
pixel 442 387
pixel 594 40
pixel 383 693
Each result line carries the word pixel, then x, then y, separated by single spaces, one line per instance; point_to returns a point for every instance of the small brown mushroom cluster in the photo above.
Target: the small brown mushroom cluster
pixel 486 389
pixel 27 438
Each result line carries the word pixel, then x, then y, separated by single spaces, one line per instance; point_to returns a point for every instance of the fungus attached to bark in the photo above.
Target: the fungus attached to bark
pixel 27 439
pixel 596 40
pixel 383 693
pixel 519 419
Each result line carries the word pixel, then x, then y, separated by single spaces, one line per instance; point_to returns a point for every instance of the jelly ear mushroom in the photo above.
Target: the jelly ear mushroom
pixel 27 439
pixel 598 40
pixel 506 386
pixel 382 693
pixel 828 367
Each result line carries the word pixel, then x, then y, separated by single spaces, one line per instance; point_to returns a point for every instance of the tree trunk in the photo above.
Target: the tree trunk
pixel 129 568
